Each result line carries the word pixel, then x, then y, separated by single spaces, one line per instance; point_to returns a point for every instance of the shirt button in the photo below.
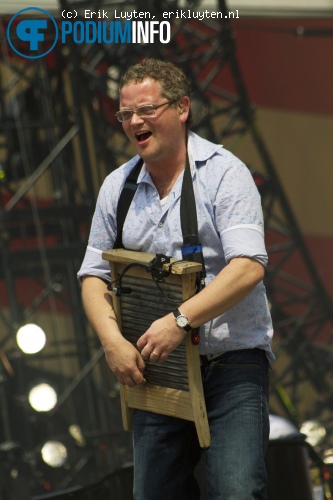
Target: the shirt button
pixel 160 224
pixel 155 193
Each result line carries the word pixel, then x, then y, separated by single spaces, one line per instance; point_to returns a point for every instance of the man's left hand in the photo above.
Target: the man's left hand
pixel 161 338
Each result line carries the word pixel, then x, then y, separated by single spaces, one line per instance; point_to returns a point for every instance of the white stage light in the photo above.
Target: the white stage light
pixel 315 432
pixel 54 453
pixel 30 338
pixel 43 397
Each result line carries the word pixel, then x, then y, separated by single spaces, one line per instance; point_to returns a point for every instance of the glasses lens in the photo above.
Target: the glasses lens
pixel 123 115
pixel 146 110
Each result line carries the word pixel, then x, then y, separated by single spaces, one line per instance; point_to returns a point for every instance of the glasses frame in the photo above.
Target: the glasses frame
pixel 152 107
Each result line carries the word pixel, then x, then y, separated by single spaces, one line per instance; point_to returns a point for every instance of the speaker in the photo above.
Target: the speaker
pixel 288 471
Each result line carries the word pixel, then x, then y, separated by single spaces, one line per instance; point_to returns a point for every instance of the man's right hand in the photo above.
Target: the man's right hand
pixel 122 357
pixel 126 363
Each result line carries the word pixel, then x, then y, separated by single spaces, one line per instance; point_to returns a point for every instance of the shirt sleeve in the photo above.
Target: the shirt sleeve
pixel 244 241
pixel 94 265
pixel 238 213
pixel 103 231
pixel 102 236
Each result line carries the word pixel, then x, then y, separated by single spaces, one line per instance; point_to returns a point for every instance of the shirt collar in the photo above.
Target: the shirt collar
pixel 199 149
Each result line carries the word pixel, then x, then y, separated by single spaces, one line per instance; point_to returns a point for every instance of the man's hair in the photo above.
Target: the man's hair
pixel 172 79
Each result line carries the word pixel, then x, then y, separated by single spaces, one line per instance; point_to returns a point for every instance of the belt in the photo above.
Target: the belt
pixel 205 359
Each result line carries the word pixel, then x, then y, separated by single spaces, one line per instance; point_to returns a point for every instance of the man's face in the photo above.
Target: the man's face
pixel 157 137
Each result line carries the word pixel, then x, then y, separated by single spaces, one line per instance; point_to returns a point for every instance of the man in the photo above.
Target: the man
pixel 231 311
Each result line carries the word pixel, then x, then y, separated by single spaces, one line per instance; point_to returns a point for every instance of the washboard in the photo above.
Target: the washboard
pixel 173 387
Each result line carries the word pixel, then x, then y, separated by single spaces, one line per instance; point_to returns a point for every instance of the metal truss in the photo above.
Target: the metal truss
pixel 50 178
pixel 58 140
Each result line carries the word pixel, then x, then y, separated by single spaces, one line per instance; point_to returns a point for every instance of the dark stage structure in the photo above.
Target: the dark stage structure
pixel 59 138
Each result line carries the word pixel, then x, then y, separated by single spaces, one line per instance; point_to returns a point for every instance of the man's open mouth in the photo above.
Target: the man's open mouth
pixel 142 136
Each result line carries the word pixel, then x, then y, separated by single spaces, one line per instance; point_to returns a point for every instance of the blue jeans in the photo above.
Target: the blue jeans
pixel 166 449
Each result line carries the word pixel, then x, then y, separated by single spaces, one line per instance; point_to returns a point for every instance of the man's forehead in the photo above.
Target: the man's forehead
pixel 150 83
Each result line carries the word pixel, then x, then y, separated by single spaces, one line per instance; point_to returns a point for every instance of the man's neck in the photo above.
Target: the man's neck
pixel 165 169
pixel 165 177
pixel 164 185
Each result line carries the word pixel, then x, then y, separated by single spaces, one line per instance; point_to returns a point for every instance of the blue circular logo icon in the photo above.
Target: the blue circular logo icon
pixel 28 34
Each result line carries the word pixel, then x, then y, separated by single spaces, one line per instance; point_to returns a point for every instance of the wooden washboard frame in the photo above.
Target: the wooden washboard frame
pixel 174 387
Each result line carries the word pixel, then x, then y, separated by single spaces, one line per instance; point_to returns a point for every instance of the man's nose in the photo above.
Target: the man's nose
pixel 135 119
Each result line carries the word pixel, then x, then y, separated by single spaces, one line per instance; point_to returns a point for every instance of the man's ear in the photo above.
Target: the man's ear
pixel 184 107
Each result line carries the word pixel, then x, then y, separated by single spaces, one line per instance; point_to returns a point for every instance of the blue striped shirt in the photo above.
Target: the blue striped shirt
pixel 230 223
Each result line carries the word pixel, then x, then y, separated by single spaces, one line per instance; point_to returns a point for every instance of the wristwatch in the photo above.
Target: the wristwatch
pixel 181 320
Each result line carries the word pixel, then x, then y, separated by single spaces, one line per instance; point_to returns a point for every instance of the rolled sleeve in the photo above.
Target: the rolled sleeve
pixel 246 240
pixel 94 265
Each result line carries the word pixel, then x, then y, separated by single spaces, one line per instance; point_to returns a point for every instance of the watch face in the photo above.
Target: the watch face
pixel 182 321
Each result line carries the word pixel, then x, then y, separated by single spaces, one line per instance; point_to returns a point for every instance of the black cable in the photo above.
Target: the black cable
pixel 150 269
pixel 126 269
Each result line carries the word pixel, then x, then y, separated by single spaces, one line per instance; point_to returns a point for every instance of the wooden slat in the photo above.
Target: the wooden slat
pixel 127 256
pixel 164 400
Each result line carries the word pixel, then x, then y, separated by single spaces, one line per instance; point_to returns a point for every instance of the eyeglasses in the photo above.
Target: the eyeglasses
pixel 142 111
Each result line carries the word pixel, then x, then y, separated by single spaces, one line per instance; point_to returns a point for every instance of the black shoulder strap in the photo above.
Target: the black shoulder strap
pixel 125 200
pixel 192 249
pixel 188 211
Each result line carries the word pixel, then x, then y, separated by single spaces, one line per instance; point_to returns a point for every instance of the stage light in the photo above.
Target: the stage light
pixel 30 338
pixel 113 74
pixel 54 453
pixel 328 456
pixel 42 397
pixel 76 433
pixel 314 431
